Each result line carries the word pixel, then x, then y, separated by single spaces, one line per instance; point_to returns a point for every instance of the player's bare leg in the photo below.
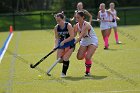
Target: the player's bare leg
pixel 88 62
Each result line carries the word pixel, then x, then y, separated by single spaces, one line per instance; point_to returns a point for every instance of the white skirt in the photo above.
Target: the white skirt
pixel 104 25
pixel 113 24
pixel 89 40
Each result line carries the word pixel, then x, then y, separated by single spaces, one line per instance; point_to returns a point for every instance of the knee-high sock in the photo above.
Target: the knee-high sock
pixel 65 67
pixel 116 35
pixel 106 41
pixel 88 64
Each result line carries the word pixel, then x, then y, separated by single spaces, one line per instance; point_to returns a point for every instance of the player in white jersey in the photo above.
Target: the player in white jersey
pixel 103 17
pixel 114 24
pixel 88 40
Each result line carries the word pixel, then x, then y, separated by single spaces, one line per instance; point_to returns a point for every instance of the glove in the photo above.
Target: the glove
pixel 113 20
pixel 62 43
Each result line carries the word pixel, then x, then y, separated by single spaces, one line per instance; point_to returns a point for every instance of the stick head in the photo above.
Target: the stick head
pixel 95 20
pixel 31 66
pixel 48 74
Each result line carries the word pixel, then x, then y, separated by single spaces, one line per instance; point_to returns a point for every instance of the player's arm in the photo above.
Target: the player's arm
pixel 90 16
pixel 109 13
pixel 71 19
pixel 56 36
pixel 71 33
pixel 98 17
pixel 83 32
pixel 75 30
pixel 117 16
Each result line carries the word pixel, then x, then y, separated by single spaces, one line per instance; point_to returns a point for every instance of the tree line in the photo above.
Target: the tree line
pixel 37 5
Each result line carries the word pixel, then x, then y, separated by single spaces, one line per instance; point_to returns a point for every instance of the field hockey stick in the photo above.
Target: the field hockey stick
pixel 95 20
pixel 53 65
pixel 33 66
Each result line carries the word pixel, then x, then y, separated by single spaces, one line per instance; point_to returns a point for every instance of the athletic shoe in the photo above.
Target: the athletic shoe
pixel 119 42
pixel 106 48
pixel 63 75
pixel 87 74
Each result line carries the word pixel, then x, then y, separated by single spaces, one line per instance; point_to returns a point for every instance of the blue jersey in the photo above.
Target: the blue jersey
pixel 63 33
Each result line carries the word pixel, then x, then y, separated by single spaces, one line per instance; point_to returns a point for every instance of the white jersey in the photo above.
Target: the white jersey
pixel 113 12
pixel 104 18
pixel 89 38
pixel 113 24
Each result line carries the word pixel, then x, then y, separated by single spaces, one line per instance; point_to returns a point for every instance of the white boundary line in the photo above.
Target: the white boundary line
pixel 5 48
pixel 116 91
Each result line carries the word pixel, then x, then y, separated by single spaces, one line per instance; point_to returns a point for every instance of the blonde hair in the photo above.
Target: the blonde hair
pixel 102 4
pixel 112 4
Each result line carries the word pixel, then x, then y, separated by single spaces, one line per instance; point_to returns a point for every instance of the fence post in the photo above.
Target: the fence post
pixel 41 20
pixel 13 15
pixel 125 17
pixel 14 27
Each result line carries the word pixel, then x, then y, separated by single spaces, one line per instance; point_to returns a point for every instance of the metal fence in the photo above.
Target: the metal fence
pixel 45 20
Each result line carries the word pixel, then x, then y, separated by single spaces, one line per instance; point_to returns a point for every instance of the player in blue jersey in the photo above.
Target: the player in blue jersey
pixel 64 37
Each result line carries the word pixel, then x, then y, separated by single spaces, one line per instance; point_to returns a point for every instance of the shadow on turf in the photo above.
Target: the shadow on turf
pixel 119 44
pixel 93 77
pixel 111 49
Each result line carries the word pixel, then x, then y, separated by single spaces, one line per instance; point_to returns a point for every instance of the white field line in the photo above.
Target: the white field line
pixel 10 82
pixel 116 91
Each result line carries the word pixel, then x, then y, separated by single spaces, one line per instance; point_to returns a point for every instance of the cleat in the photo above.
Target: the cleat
pixel 106 48
pixel 119 42
pixel 87 74
pixel 63 75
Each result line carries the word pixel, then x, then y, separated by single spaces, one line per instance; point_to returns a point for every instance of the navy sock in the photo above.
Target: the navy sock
pixel 65 67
